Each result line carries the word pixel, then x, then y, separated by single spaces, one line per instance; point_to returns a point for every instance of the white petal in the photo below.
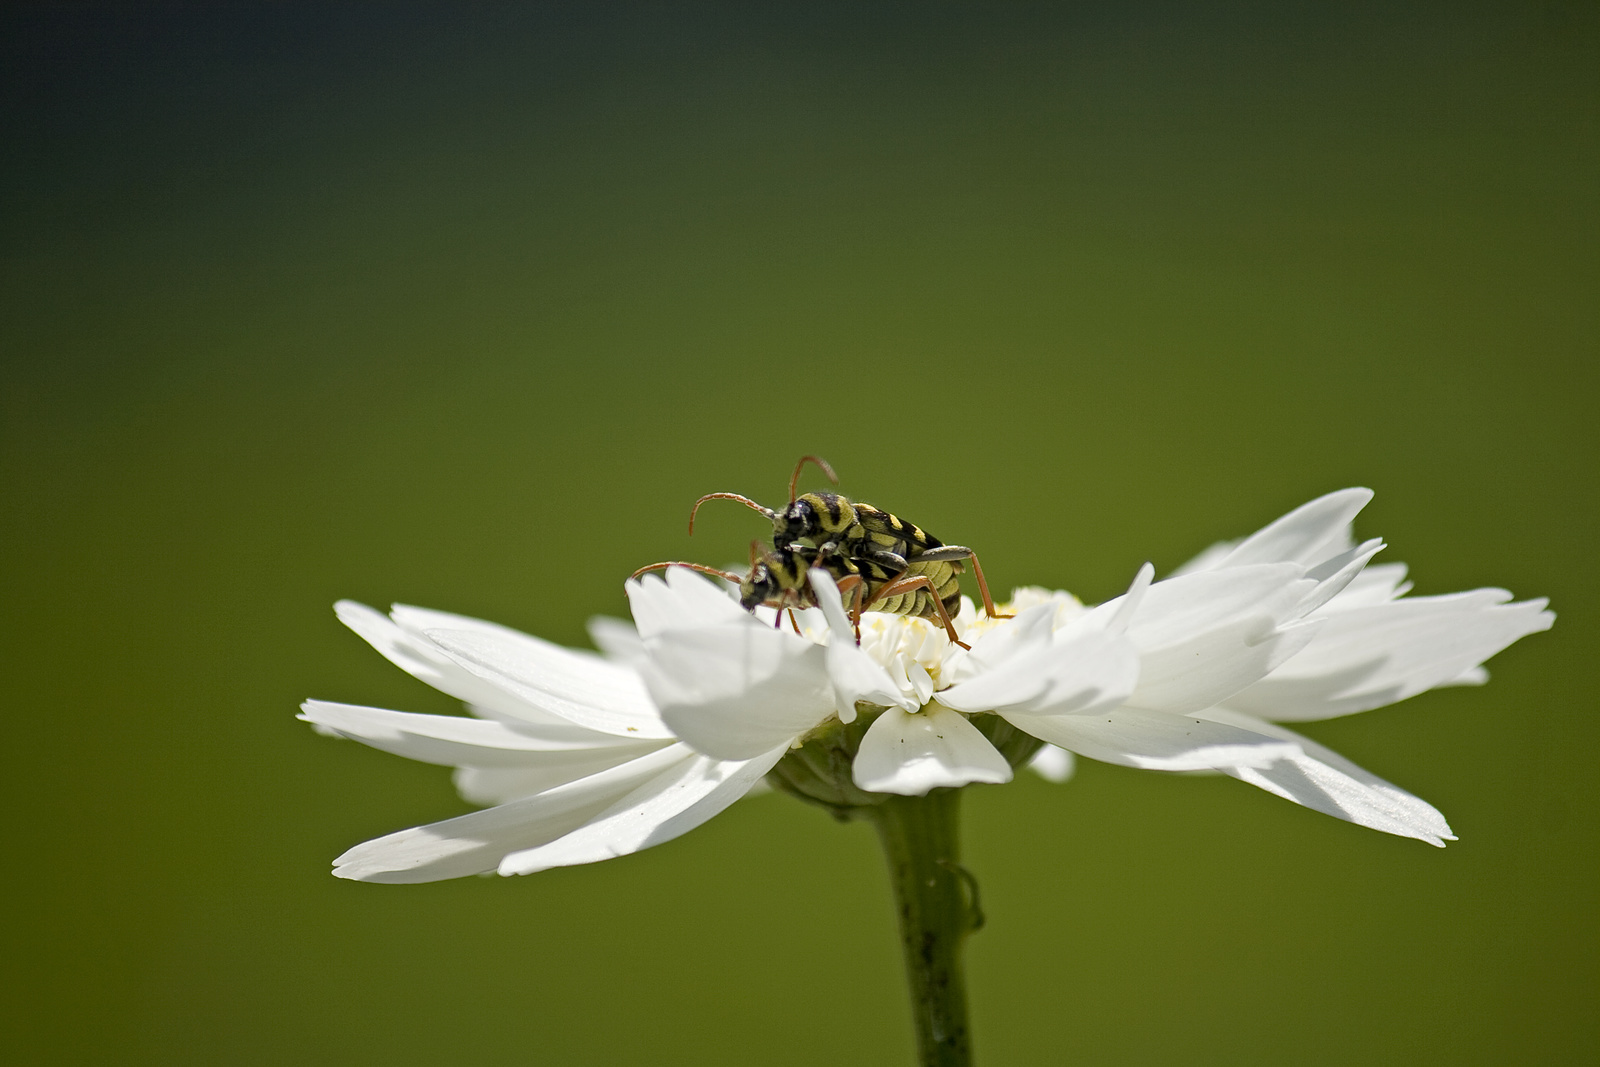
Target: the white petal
pixel 1028 631
pixel 920 681
pixel 1205 636
pixel 651 604
pixel 488 786
pixel 579 687
pixel 682 600
pixel 910 754
pixel 1052 674
pixel 702 600
pixel 1367 657
pixel 1470 676
pixel 1117 614
pixel 855 676
pixel 831 604
pixel 1053 764
pixel 1175 609
pixel 423 660
pixel 1208 560
pixel 1132 600
pixel 419 621
pixel 736 691
pixel 1216 663
pixel 476 842
pixel 1378 584
pixel 453 740
pixel 669 805
pixel 1308 535
pixel 1325 781
pixel 575 670
pixel 1156 740
pixel 618 639
pixel 1334 576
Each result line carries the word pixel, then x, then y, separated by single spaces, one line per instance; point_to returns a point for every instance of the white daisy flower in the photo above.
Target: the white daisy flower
pixel 591 757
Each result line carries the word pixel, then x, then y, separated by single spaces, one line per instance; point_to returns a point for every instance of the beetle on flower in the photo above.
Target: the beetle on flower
pixel 586 756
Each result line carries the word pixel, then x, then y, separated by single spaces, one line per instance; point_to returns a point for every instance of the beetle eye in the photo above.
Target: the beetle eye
pixel 797 518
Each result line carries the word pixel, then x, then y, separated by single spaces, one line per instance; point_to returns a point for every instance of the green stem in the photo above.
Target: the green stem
pixel 922 847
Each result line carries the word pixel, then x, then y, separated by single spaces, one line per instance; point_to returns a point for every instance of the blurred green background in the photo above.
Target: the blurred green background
pixel 462 304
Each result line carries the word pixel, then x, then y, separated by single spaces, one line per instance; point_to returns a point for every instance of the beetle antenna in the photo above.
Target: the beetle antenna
pixel 821 463
pixel 727 576
pixel 772 516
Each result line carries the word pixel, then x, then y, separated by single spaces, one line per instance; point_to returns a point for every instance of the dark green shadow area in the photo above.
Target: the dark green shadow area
pixel 462 305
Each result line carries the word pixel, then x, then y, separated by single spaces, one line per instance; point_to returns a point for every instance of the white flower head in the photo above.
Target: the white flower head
pixel 585 756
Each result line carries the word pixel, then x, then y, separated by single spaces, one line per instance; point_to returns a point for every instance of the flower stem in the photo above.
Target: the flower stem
pixel 931 892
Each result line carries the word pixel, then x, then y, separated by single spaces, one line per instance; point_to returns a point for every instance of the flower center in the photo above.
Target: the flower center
pixel 917 653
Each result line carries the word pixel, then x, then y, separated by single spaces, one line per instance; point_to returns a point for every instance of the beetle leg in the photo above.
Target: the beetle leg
pixel 921 581
pixel 983 587
pixel 951 553
pixel 857 589
pixel 893 562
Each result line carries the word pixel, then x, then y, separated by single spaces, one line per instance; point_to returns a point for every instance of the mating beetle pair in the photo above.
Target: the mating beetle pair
pixel 882 562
